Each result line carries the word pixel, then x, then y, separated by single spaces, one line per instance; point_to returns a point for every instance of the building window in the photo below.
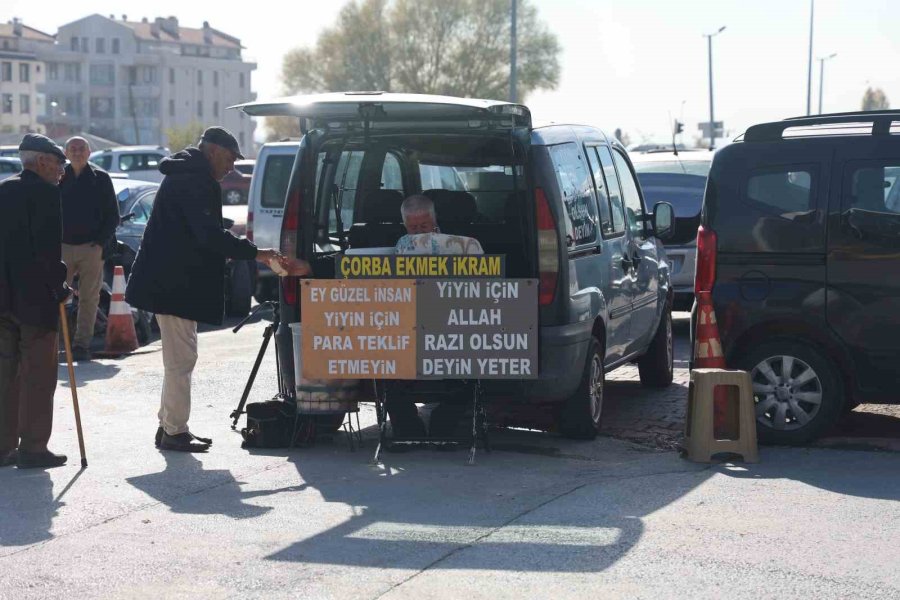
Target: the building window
pixel 216 78
pixel 72 72
pixel 73 105
pixel 172 76
pixel 115 46
pixel 102 75
pixel 24 104
pixel 74 45
pixel 7 71
pixel 216 108
pixel 171 108
pixel 102 108
pixel 100 46
pixel 242 81
pixel 53 71
pixel 7 103
pixel 199 108
pixel 150 75
pixel 84 45
pixel 199 77
pixel 24 72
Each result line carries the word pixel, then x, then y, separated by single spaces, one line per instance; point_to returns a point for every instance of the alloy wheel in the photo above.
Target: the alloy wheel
pixel 787 392
pixel 596 388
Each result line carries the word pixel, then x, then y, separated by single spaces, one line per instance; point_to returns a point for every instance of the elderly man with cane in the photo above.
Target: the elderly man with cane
pixel 179 272
pixel 32 285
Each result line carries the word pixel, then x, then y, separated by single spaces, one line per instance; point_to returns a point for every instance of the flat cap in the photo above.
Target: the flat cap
pixel 222 137
pixel 41 143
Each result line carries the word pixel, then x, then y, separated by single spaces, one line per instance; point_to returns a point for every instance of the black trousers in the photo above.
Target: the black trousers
pixel 28 366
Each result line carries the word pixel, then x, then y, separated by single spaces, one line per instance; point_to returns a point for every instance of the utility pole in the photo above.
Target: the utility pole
pixel 822 77
pixel 712 112
pixel 812 11
pixel 513 93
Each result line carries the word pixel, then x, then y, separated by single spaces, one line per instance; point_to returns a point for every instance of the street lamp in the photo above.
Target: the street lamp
pixel 712 113
pixel 822 76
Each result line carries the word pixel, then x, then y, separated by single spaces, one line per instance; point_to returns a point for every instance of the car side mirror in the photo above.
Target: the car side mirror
pixel 663 220
pixel 125 218
pixel 229 223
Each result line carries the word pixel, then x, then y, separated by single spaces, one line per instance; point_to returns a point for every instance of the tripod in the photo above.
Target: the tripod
pixel 267 335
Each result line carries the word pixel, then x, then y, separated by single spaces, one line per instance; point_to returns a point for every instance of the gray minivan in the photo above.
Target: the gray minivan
pixel 561 202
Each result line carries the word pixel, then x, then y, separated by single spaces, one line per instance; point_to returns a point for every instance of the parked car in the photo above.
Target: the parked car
pixel 800 247
pixel 679 179
pixel 9 166
pixel 236 185
pixel 135 205
pixel 136 162
pixel 265 207
pixel 560 202
pixel 9 150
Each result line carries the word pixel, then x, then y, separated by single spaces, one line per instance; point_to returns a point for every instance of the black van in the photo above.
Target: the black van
pixel 560 202
pixel 799 244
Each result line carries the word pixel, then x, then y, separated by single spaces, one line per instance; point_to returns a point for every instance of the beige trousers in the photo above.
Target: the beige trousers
pixel 179 350
pixel 86 261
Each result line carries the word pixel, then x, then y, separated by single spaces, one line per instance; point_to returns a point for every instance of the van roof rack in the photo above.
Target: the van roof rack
pixel 871 122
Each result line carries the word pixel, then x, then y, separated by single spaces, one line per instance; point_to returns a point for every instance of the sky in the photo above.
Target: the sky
pixel 629 64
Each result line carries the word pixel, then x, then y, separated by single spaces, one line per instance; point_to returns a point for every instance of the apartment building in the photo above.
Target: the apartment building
pixel 131 81
pixel 21 73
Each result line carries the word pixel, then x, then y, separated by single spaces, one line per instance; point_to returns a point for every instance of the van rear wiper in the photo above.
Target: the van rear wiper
pixel 336 200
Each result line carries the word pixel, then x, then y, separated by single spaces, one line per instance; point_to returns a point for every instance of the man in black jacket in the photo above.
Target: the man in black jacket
pixel 179 272
pixel 32 284
pixel 90 217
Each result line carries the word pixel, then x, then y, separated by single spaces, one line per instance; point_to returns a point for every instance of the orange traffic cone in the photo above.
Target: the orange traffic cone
pixel 121 338
pixel 708 355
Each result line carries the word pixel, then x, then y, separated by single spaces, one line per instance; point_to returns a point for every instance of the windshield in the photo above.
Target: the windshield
pixel 686 167
pixel 104 161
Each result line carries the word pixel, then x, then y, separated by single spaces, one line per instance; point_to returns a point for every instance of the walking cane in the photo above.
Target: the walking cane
pixel 65 329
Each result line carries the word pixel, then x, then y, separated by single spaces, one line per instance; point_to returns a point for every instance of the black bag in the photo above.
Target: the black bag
pixel 269 425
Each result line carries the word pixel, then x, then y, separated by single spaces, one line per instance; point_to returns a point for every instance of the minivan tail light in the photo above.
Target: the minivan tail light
pixel 548 249
pixel 249 232
pixel 289 225
pixel 705 274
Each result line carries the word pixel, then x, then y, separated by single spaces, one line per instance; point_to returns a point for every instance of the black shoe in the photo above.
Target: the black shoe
pixel 9 458
pixel 183 442
pixel 40 460
pixel 159 434
pixel 81 354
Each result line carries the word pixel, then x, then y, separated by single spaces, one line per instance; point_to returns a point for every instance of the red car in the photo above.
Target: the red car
pixel 236 184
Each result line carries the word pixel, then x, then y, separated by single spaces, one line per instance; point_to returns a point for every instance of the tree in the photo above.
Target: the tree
pixel 453 47
pixel 623 137
pixel 280 128
pixel 180 138
pixel 875 99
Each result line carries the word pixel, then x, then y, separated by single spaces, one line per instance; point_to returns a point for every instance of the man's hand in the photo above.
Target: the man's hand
pixel 264 255
pixel 295 267
pixel 283 266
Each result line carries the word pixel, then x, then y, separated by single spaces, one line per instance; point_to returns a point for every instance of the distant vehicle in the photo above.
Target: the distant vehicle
pixel 561 203
pixel 135 205
pixel 236 185
pixel 679 180
pixel 9 166
pixel 135 162
pixel 265 207
pixel 10 150
pixel 799 247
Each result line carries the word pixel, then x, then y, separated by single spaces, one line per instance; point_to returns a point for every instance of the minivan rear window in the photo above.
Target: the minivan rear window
pixel 575 186
pixel 276 177
pixel 786 192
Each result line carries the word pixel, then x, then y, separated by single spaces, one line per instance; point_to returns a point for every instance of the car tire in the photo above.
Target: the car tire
pixel 775 392
pixel 657 366
pixel 582 412
pixel 266 289
pixel 234 197
pixel 240 291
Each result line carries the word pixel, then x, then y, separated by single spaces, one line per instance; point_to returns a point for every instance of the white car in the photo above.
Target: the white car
pixel 135 162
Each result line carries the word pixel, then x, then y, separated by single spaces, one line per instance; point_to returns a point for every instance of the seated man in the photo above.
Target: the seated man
pixel 424 237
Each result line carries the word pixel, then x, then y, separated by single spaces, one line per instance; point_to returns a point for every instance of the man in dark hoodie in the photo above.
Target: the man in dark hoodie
pixel 179 272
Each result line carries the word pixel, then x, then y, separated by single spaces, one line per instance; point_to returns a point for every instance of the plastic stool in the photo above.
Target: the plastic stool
pixel 735 395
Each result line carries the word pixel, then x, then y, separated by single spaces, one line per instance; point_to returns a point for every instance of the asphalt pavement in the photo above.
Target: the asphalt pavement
pixel 539 517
